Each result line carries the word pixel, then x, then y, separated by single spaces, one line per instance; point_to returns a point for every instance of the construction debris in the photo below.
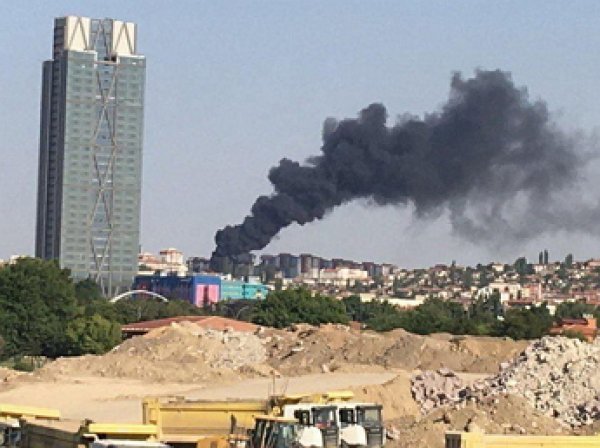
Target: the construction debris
pixel 556 375
pixel 433 389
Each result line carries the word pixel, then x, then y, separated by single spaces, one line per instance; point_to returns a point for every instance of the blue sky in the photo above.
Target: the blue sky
pixel 233 86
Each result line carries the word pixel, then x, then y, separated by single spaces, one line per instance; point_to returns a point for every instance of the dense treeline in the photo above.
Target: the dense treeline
pixel 283 308
pixel 485 316
pixel 43 313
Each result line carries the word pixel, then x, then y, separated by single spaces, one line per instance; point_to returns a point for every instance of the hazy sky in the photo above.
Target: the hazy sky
pixel 232 87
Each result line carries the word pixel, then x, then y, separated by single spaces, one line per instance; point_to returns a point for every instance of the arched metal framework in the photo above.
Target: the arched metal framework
pixel 138 291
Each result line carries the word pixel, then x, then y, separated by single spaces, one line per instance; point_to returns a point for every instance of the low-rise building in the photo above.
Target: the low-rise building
pixel 342 276
pixel 200 290
pixel 586 326
pixel 169 261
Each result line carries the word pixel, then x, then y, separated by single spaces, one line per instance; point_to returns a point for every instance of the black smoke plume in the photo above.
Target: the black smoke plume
pixel 490 156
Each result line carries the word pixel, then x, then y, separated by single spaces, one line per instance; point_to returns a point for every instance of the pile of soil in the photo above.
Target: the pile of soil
pixel 503 415
pixel 182 352
pixel 186 352
pixel 309 349
pixel 394 396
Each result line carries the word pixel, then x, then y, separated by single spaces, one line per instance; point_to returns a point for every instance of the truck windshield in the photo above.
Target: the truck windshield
pixel 369 416
pixel 287 436
pixel 324 417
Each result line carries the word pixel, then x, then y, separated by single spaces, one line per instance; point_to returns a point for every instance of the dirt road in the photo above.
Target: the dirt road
pixel 119 400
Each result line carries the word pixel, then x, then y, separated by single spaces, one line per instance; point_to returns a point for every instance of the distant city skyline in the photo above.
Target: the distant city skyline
pixel 234 88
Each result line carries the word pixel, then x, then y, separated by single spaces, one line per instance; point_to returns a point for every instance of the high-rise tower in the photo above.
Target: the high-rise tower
pixel 89 186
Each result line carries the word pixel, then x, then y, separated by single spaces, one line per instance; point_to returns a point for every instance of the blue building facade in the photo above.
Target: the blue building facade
pixel 200 290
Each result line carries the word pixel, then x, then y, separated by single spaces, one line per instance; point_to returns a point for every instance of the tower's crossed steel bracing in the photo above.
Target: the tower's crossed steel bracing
pixel 95 91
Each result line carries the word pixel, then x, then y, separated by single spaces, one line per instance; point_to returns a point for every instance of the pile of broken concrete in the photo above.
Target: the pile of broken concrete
pixel 432 389
pixel 558 376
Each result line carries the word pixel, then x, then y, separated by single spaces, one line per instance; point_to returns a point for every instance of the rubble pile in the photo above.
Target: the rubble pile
pixel 432 389
pixel 179 353
pixel 556 375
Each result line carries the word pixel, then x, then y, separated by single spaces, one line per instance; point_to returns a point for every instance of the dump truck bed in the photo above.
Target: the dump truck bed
pixel 51 434
pixel 189 421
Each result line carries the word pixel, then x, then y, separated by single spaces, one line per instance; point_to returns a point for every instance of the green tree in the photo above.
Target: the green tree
pixel 86 290
pixel 574 310
pixel 93 334
pixel 283 308
pixel 435 316
pixel 37 300
pixel 525 323
pixel 134 310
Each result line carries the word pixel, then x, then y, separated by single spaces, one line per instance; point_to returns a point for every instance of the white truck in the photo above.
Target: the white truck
pixel 361 424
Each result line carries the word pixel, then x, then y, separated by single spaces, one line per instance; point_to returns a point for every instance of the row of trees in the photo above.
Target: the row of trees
pixel 484 317
pixel 43 313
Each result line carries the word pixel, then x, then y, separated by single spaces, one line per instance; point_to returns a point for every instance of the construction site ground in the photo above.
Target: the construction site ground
pixel 185 360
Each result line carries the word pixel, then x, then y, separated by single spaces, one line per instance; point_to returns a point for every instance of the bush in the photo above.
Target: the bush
pixel 574 334
pixel 95 335
pixel 283 308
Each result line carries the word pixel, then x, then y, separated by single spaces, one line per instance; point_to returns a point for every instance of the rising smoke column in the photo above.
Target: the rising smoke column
pixel 487 149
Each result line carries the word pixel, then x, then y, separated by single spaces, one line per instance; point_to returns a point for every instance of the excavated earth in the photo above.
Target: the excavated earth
pixel 442 382
pixel 304 348
pixel 185 352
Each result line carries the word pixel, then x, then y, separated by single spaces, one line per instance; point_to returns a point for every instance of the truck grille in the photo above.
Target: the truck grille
pixel 330 438
pixel 374 437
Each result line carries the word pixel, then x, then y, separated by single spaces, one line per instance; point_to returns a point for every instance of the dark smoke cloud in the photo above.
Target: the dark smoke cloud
pixel 490 156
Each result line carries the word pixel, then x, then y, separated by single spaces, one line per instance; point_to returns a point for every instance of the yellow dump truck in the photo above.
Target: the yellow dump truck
pixel 75 434
pixel 326 420
pixel 480 440
pixel 179 421
pixel 10 429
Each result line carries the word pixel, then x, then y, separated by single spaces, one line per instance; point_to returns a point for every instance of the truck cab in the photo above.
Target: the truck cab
pixel 318 424
pixel 351 433
pixel 361 424
pixel 273 432
pixel 369 416
pixel 10 433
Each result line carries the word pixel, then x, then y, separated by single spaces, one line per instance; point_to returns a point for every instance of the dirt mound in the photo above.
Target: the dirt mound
pixel 502 415
pixel 304 348
pixel 181 352
pixel 394 396
pixel 9 374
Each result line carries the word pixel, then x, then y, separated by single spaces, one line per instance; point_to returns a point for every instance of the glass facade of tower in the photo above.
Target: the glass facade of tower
pixel 91 151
